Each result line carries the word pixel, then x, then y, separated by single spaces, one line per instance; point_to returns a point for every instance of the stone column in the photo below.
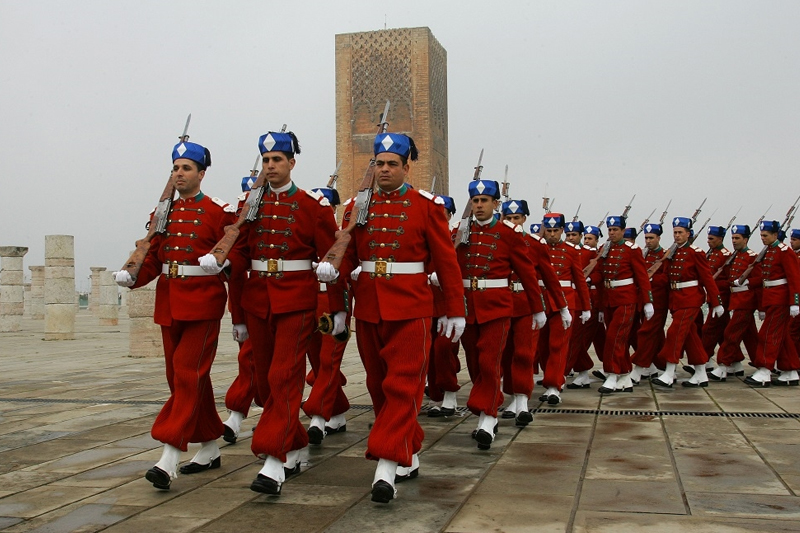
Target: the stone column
pixel 145 335
pixel 124 294
pixel 108 307
pixel 94 292
pixel 27 299
pixel 37 292
pixel 12 293
pixel 59 287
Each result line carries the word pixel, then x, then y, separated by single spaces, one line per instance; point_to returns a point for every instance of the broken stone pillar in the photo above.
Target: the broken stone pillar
pixel 12 293
pixel 124 294
pixel 37 292
pixel 145 335
pixel 59 287
pixel 108 306
pixel 94 291
pixel 27 299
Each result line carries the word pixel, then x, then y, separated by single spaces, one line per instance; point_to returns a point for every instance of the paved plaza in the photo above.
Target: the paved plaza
pixel 75 443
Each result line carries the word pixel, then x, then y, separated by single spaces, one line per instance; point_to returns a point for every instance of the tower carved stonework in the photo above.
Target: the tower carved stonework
pixel 408 67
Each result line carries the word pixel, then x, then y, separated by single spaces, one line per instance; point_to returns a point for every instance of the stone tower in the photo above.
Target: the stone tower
pixel 408 67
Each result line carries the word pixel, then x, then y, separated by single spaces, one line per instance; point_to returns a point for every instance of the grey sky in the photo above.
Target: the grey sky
pixel 599 100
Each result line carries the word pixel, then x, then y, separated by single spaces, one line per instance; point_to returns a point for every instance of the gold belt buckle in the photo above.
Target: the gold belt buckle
pixel 673 285
pixel 607 284
pixel 272 265
pixel 173 270
pixel 473 285
pixel 380 268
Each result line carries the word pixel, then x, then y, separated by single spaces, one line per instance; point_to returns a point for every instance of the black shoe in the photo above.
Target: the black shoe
pixel 484 439
pixel 426 391
pixel 508 414
pixel 626 389
pixel 576 386
pixel 714 377
pixel 657 381
pixel 755 383
pixel 553 399
pixel 289 472
pixel 435 412
pixel 523 419
pixel 382 492
pixel 229 435
pixel 605 390
pixel 411 475
pixel 340 429
pixel 193 468
pixel 791 383
pixel 315 435
pixel 543 398
pixel 158 478
pixel 448 411
pixel 599 375
pixel 475 431
pixel 265 485
pixel 691 385
pixel 689 369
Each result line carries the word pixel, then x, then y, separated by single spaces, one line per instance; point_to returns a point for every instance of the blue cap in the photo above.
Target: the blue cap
pixel 781 235
pixel 656 229
pixel 592 230
pixel 574 227
pixel 717 231
pixel 553 220
pixel 616 221
pixel 795 234
pixel 770 225
pixel 741 229
pixel 331 194
pixel 535 228
pixel 277 141
pixel 682 222
pixel 487 187
pixel 449 204
pixel 396 143
pixel 248 182
pixel 516 207
pixel 193 152
pixel 630 233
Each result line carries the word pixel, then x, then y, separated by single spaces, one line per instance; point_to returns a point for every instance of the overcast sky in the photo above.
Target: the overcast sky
pixel 598 100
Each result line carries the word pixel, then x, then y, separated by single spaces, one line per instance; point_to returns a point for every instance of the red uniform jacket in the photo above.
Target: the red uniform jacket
pixel 716 260
pixel 537 251
pixel 566 261
pixel 780 263
pixel 494 250
pixel 624 261
pixel 404 226
pixel 292 225
pixel 594 279
pixel 688 263
pixel 194 226
pixel 659 283
pixel 745 298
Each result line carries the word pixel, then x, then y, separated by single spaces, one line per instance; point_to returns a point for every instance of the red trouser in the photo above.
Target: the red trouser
pixel 190 414
pixel 773 337
pixel 682 335
pixel 583 336
pixel 443 366
pixel 483 345
pixel 619 321
pixel 517 361
pixel 794 333
pixel 713 332
pixel 395 356
pixel 638 316
pixel 650 339
pixel 741 327
pixel 280 342
pixel 553 348
pixel 327 399
pixel 244 389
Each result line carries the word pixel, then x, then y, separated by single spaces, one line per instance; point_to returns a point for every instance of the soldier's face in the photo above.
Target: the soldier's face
pixel 738 241
pixel 767 237
pixel 516 219
pixel 714 241
pixel 186 177
pixel 652 241
pixel 553 235
pixel 573 237
pixel 795 242
pixel 483 206
pixel 615 233
pixel 390 172
pixel 590 240
pixel 277 168
pixel 681 235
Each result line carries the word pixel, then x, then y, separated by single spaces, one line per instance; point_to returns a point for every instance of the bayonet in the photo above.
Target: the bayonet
pixel 646 220
pixel 664 214
pixel 462 233
pixel 628 207
pixel 602 220
pixel 730 222
pixel 254 172
pixel 504 192
pixel 433 185
pixel 334 176
pixel 184 136
pixel 577 211
pixel 697 211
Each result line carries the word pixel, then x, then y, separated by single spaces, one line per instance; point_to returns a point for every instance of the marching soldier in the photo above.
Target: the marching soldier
pixel 717 257
pixel 794 323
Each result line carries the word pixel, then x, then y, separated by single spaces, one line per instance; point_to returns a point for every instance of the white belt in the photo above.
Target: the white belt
pixel 740 289
pixel 174 270
pixel 593 287
pixel 775 282
pixel 614 283
pixel 323 287
pixel 562 282
pixel 517 286
pixel 280 265
pixel 392 267
pixel 675 285
pixel 475 283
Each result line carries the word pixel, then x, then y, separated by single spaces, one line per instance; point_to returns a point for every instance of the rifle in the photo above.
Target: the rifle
pixel 335 176
pixel 504 192
pixel 733 254
pixel 462 233
pixel 248 214
pixel 433 185
pixel 628 208
pixel 760 257
pixel 158 224
pixel 664 214
pixel 602 220
pixel 671 251
pixel 646 220
pixel 698 232
pixel 361 206
pixel 575 218
pixel 606 245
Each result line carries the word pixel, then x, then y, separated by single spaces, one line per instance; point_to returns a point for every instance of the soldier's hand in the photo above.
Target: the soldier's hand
pixel 566 318
pixel 209 264
pixel 539 320
pixel 648 311
pixel 326 273
pixel 354 274
pixel 717 311
pixel 585 316
pixel 601 317
pixel 240 333
pixel 441 324
pixel 434 279
pixel 123 278
pixel 742 284
pixel 794 310
pixel 339 322
pixel 762 315
pixel 455 326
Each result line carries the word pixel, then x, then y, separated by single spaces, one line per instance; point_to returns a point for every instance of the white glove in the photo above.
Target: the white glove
pixel 441 323
pixel 539 320
pixel 648 311
pixel 339 322
pixel 209 264
pixel 455 326
pixel 794 310
pixel 123 278
pixel 354 274
pixel 326 273
pixel 762 315
pixel 434 279
pixel 601 317
pixel 566 318
pixel 737 284
pixel 240 332
pixel 585 316
pixel 717 311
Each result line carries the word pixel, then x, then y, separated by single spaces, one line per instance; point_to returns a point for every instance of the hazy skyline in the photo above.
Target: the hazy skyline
pixel 598 100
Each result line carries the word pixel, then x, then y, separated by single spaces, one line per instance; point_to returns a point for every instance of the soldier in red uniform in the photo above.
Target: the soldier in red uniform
pixel 405 234
pixel 780 300
pixel 717 257
pixel 622 275
pixel 794 323
pixel 743 304
pixel 190 302
pixel 292 229
pixel 650 337
pixel 554 338
pixel 494 249
pixel 691 283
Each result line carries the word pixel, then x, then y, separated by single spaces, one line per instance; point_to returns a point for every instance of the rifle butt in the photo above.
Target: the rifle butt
pixel 223 247
pixel 336 254
pixel 134 262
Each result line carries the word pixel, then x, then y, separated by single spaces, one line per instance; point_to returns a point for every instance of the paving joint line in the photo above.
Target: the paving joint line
pixel 576 499
pixel 670 451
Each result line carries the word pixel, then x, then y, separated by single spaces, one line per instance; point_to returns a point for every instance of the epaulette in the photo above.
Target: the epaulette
pixel 431 197
pixel 513 226
pixel 725 252
pixel 347 202
pixel 751 253
pixel 537 237
pixel 783 247
pixel 242 197
pixel 585 247
pixel 696 249
pixel 570 244
pixel 228 208
pixel 632 245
